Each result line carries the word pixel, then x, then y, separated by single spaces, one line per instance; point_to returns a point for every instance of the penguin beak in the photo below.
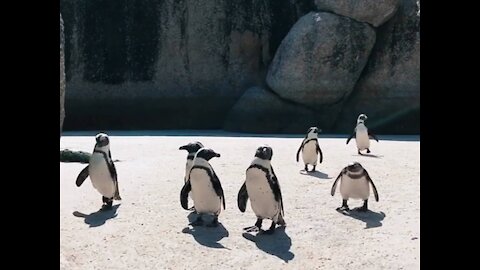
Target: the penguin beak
pixel 183 147
pixel 217 154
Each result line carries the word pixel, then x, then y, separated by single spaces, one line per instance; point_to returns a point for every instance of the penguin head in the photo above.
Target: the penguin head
pixel 264 152
pixel 206 154
pixel 361 118
pixel 192 147
pixel 354 167
pixel 313 132
pixel 102 140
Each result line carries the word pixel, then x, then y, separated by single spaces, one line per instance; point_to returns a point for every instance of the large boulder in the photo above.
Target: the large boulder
pixel 374 12
pixel 319 62
pixel 130 64
pixel 62 75
pixel 262 111
pixel 389 90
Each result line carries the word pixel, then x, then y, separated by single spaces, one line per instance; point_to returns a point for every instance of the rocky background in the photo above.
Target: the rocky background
pixel 266 66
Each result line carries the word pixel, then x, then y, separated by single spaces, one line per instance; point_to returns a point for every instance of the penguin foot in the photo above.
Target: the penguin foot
pixel 314 168
pixel 343 208
pixel 191 208
pixel 368 150
pixel 360 209
pixel 106 207
pixel 251 229
pixel 198 222
pixel 360 153
pixel 306 167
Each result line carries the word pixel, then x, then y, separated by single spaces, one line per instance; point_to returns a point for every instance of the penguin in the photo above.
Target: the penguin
pixel 310 148
pixel 102 172
pixel 192 148
pixel 362 135
pixel 262 186
pixel 354 183
pixel 207 192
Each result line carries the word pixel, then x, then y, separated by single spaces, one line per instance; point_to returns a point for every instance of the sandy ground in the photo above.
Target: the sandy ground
pixel 149 230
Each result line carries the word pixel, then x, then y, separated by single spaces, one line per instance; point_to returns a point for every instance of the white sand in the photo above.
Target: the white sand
pixel 150 229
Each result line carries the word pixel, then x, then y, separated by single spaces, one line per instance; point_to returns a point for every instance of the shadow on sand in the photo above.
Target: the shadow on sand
pixel 207 236
pixel 371 219
pixel 277 244
pixel 367 155
pixel 316 174
pixel 98 218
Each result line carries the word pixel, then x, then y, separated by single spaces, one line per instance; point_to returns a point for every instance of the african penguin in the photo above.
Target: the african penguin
pixel 207 192
pixel 354 183
pixel 310 148
pixel 362 134
pixel 102 172
pixel 262 187
pixel 192 149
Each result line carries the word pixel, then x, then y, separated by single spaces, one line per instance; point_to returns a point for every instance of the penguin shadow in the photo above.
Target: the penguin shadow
pixel 317 174
pixel 206 236
pixel 368 155
pixel 98 218
pixel 371 219
pixel 277 244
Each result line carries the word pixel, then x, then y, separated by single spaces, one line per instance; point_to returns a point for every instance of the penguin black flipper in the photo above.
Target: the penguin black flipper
pixel 334 186
pixel 218 187
pixel 319 151
pixel 351 136
pixel 242 198
pixel 187 187
pixel 299 149
pixel 372 135
pixel 375 192
pixel 277 193
pixel 82 176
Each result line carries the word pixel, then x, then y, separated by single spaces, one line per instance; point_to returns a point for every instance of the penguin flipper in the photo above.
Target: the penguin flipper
pixel 351 136
pixel 375 192
pixel 319 151
pixel 370 134
pixel 187 187
pixel 116 196
pixel 242 198
pixel 82 176
pixel 277 192
pixel 299 149
pixel 218 188
pixel 334 186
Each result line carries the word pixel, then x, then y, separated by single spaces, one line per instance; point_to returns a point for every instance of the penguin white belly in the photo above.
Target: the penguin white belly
pixel 187 169
pixel 100 175
pixel 309 153
pixel 204 197
pixel 261 196
pixel 362 139
pixel 354 188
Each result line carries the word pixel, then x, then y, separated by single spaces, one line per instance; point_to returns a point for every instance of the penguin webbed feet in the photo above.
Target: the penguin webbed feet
pixel 107 204
pixel 255 228
pixel 344 207
pixel 368 150
pixel 363 208
pixel 191 208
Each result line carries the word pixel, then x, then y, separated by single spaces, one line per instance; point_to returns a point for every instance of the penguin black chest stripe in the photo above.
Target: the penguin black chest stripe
pixel 111 166
pixel 311 139
pixel 355 176
pixel 272 182
pixel 213 178
pixel 190 156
